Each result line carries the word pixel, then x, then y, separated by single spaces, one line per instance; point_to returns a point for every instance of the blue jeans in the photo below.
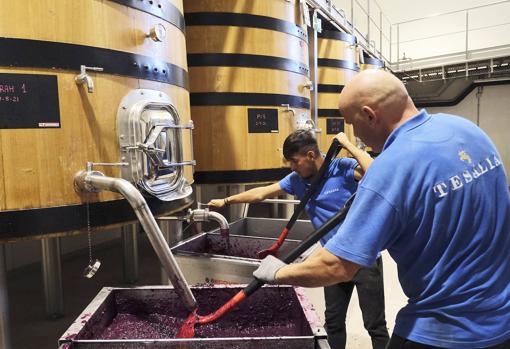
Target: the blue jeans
pixel 370 287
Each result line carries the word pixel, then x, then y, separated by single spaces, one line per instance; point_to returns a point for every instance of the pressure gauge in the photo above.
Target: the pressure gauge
pixel 157 33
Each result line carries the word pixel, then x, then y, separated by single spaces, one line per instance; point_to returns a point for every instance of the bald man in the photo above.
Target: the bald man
pixel 437 199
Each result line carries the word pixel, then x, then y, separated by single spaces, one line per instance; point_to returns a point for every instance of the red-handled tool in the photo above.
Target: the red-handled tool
pixel 333 151
pixel 187 330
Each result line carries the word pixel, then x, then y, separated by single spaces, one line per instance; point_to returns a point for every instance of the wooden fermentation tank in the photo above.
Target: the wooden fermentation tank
pixel 371 63
pixel 249 83
pixel 46 42
pixel 338 62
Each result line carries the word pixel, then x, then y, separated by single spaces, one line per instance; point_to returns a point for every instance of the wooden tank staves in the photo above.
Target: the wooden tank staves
pixel 338 63
pixel 248 80
pixel 50 126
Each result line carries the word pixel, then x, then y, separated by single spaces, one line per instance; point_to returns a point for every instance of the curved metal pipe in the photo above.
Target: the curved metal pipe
pixel 222 221
pixel 202 215
pixel 93 180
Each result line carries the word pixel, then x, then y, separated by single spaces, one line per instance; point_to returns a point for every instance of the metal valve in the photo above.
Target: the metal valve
pixel 157 33
pixel 84 78
pixel 90 164
pixel 81 185
pixel 309 85
pixel 288 109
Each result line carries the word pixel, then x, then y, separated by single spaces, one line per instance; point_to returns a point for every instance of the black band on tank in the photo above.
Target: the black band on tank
pixel 245 60
pixel 42 221
pixel 373 61
pixel 245 20
pixel 338 63
pixel 329 88
pixel 337 35
pixel 248 176
pixel 248 99
pixel 329 113
pixel 163 9
pixel 51 55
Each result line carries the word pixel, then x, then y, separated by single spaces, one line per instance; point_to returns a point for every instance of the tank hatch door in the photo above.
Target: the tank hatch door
pixel 151 143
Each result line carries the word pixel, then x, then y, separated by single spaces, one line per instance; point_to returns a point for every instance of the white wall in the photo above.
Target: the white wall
pixel 442 35
pixel 398 10
pixel 431 31
pixel 494 116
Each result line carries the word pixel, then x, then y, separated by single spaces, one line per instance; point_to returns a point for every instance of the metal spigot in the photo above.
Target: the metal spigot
pixel 84 78
pixel 288 109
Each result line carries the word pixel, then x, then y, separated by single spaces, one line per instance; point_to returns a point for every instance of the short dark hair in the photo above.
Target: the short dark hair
pixel 299 142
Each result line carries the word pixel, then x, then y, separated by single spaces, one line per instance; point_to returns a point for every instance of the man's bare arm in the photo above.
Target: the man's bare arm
pixel 322 268
pixel 250 196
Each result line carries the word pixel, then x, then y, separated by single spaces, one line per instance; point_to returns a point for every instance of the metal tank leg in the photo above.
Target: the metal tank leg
pixel 5 335
pixel 129 233
pixel 172 231
pixel 288 210
pixel 235 211
pixel 52 277
pixel 199 197
pixel 274 210
pixel 198 193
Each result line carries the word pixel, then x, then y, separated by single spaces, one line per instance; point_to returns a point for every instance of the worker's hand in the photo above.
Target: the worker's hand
pixel 268 268
pixel 218 203
pixel 342 138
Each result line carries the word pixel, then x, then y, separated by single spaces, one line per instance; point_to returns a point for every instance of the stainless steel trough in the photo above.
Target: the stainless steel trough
pixel 207 257
pixel 148 317
pixel 269 227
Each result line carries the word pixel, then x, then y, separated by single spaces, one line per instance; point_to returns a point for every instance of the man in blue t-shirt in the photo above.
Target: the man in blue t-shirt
pixel 340 182
pixel 437 199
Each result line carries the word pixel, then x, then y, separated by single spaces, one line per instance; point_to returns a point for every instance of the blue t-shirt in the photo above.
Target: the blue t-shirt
pixel 330 196
pixel 437 199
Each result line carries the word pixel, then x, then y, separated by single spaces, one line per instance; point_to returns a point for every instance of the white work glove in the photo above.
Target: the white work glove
pixel 268 268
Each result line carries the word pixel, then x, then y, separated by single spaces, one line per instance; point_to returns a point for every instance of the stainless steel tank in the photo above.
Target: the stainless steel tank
pixel 148 317
pixel 208 257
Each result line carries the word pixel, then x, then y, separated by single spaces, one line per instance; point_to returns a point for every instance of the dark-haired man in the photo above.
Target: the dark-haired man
pixel 300 149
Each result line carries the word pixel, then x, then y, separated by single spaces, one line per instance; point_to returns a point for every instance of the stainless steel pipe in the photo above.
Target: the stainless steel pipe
pixel 204 215
pixel 91 181
pixel 222 221
pixel 129 234
pixel 201 215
